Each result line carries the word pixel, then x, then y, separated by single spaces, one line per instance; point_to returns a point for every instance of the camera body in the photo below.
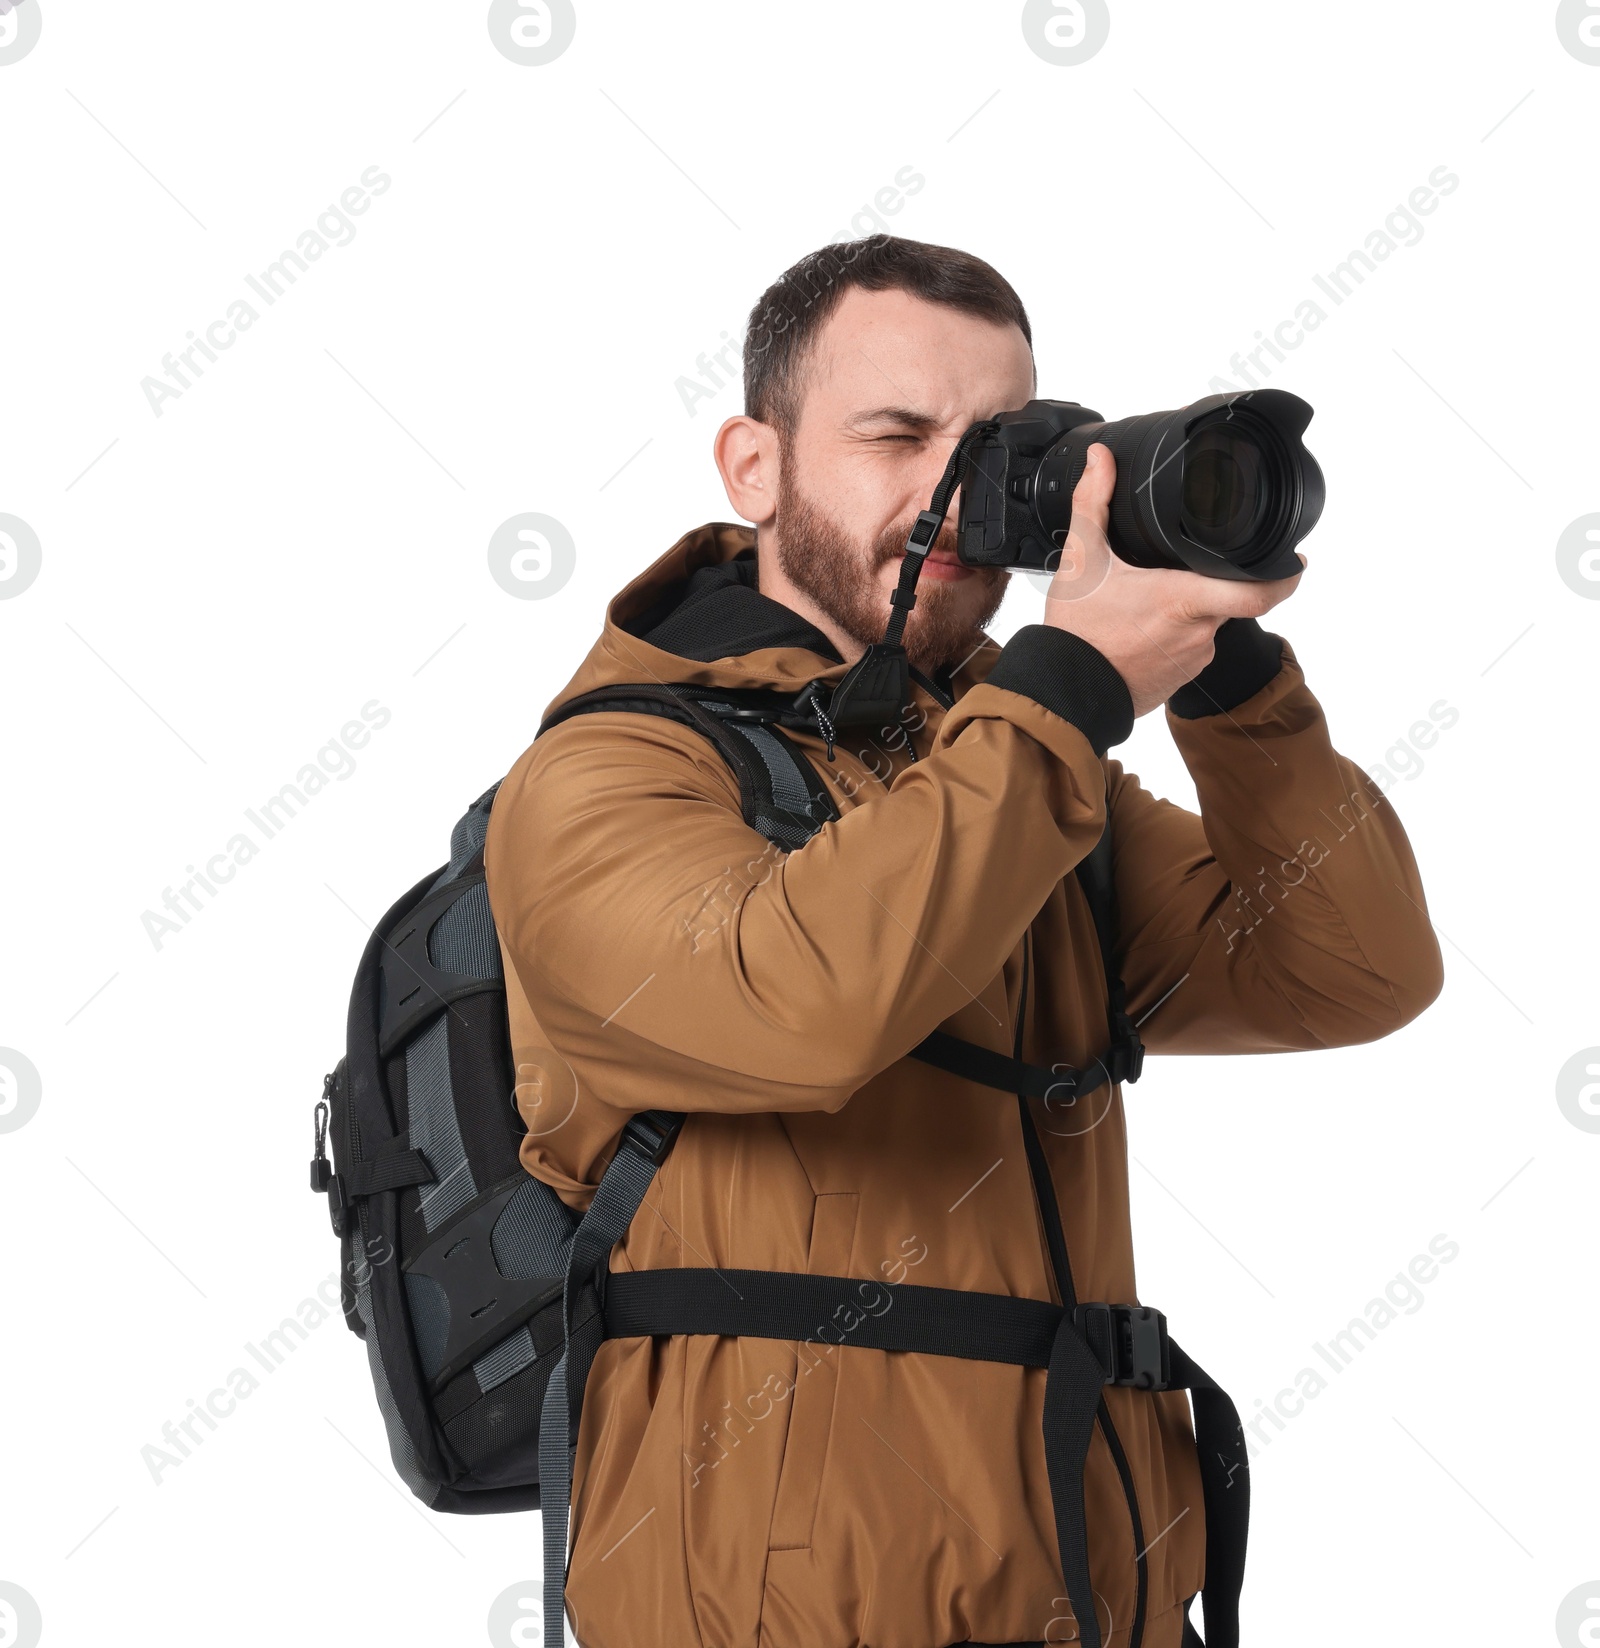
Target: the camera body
pixel 1223 486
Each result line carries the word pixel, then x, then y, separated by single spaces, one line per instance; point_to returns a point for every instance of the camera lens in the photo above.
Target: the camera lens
pixel 1223 495
pixel 1223 486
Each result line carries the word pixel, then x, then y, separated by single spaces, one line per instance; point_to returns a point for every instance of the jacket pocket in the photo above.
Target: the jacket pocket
pixel 815 1381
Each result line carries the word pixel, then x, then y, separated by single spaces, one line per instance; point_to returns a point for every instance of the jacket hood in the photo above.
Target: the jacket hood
pixel 696 615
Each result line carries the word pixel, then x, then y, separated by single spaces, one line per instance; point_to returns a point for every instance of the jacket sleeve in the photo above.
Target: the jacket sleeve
pixel 1289 913
pixel 667 947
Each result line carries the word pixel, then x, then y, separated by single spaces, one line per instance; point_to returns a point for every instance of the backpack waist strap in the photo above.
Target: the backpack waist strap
pixel 1084 1349
pixel 1130 1342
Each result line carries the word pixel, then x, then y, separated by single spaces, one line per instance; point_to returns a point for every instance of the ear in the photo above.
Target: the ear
pixel 746 452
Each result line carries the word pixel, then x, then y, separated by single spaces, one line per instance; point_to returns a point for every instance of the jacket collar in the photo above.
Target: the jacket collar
pixel 695 615
pixel 718 612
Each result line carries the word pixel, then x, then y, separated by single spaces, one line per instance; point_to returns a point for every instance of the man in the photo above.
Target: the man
pixel 660 955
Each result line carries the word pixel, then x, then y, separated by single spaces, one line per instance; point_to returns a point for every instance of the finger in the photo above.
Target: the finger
pixel 1091 497
pixel 1221 598
pixel 1280 589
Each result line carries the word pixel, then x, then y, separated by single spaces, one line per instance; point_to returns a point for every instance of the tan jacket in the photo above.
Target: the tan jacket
pixel 752 1493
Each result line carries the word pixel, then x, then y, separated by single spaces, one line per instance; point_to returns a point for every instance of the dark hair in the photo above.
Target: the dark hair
pixel 790 314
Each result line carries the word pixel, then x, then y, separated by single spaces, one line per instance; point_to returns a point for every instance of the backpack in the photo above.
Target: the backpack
pixel 482 1297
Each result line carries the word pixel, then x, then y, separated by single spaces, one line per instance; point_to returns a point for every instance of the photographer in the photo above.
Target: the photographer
pixel 820 1493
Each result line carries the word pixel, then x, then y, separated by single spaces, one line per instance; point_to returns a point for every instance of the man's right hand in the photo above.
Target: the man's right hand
pixel 1155 625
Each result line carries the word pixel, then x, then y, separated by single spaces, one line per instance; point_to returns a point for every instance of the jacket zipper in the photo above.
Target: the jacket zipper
pixel 1050 1214
pixel 931 687
pixel 934 691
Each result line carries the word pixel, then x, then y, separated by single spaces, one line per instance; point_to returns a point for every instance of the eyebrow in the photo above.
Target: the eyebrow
pixel 905 415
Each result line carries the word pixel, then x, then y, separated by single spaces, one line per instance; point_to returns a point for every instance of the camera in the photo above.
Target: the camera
pixel 1223 486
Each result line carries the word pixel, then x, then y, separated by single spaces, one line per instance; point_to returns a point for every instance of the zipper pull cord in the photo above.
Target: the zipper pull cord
pixel 810 698
pixel 827 729
pixel 321 1167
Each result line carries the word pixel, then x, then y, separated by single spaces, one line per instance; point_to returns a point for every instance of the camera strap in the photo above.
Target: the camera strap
pixel 877 686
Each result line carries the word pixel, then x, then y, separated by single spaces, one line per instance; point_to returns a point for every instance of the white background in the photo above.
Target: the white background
pixel 304 530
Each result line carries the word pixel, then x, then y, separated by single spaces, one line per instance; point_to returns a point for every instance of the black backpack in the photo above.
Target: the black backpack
pixel 482 1297
pixel 454 1258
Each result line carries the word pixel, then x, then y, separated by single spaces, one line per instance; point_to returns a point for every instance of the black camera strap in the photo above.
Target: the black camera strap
pixel 877 686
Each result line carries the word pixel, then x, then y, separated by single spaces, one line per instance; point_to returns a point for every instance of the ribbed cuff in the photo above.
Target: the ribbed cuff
pixel 1247 658
pixel 1070 678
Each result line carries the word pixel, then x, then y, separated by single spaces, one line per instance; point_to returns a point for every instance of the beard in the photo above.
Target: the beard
pixel 839 573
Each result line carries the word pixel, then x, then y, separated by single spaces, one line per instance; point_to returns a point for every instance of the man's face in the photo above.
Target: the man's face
pixel 888 389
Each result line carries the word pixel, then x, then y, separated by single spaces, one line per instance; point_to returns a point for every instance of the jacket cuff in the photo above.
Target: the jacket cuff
pixel 1069 677
pixel 1246 659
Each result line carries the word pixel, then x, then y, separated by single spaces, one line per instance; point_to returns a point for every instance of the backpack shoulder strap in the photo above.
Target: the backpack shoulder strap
pixel 645 1141
pixel 781 793
pixel 1123 1060
pixel 1096 876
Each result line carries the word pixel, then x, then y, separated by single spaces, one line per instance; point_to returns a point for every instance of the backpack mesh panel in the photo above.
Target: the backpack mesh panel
pixel 467 838
pixel 401 1448
pixel 463 938
pixel 503 1426
pixel 430 1320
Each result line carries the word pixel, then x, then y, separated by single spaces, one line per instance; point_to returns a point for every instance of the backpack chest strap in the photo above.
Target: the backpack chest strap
pixel 1122 1061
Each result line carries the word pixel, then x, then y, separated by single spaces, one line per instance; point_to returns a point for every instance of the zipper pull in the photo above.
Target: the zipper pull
pixel 321 1167
pixel 810 698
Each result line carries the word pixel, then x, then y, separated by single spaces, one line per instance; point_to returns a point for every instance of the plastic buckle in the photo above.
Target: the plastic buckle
pixel 1149 1349
pixel 1127 1050
pixel 923 532
pixel 1136 1336
pixel 652 1141
pixel 338 1204
pixel 1135 1056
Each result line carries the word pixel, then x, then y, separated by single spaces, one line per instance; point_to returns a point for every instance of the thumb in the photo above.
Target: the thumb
pixel 1091 497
